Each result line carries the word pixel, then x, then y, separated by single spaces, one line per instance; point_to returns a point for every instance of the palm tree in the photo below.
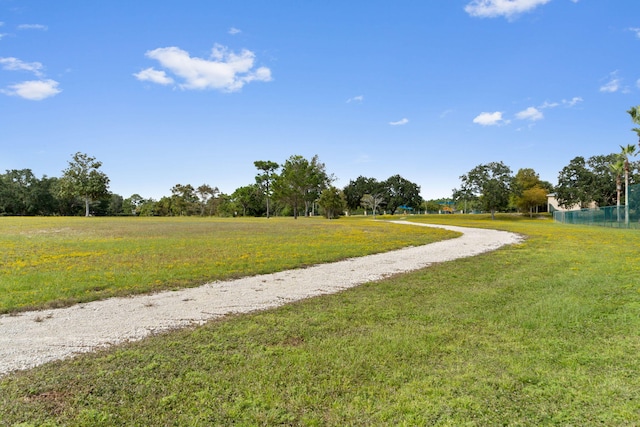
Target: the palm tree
pixel 634 112
pixel 629 150
pixel 617 169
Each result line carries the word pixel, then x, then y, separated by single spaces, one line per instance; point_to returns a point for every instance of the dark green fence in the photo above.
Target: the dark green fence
pixel 608 216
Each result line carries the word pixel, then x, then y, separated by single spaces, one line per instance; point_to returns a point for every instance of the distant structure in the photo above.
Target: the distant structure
pixel 553 205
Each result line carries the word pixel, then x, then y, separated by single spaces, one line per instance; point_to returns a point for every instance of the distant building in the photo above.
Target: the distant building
pixel 553 205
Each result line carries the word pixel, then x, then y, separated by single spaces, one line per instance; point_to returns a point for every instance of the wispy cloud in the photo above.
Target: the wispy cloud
pixel 572 102
pixel 154 76
pixel 358 99
pixel 223 70
pixel 445 113
pixel 15 64
pixel 613 84
pixel 233 31
pixel 506 8
pixel 33 27
pixel 490 119
pixel 531 114
pixel 636 30
pixel 34 90
pixel 400 122
pixel 565 102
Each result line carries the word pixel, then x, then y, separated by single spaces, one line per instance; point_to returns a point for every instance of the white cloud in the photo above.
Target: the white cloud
pixel 154 76
pixel 34 90
pixel 531 113
pixel 224 70
pixel 400 122
pixel 33 27
pixel 490 119
pixel 573 101
pixel 613 85
pixel 358 98
pixel 567 103
pixel 14 64
pixel 446 113
pixel 635 30
pixel 506 8
pixel 233 31
pixel 548 104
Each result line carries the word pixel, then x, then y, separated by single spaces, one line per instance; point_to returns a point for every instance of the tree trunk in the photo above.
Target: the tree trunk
pixel 626 195
pixel 86 206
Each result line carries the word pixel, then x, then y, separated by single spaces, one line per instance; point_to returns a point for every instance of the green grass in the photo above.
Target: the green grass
pixel 52 262
pixel 545 332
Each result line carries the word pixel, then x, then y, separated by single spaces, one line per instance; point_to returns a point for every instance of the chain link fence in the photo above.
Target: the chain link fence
pixel 608 216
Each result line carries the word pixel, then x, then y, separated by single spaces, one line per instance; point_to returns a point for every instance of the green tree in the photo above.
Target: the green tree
pixel 634 112
pixel 401 192
pixel 582 182
pixel 575 182
pixel 84 180
pixel 300 183
pixel 525 179
pixel 205 194
pixel 17 192
pixel 528 179
pixel 465 198
pixel 249 199
pixel 358 188
pixel 115 205
pixel 147 207
pixel 532 198
pixel 226 206
pixel 628 150
pixel 491 183
pixel 183 200
pixel 265 179
pixel 432 206
pixel 131 205
pixel 317 181
pixel 603 185
pixel 617 169
pixel 332 202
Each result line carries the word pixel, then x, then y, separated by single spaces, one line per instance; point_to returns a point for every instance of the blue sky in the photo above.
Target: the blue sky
pixel 194 91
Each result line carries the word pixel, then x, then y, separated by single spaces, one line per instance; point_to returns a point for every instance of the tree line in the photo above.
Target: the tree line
pixel 301 186
pixel 297 187
pixel 583 182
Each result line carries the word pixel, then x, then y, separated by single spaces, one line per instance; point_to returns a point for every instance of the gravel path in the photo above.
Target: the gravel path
pixel 34 338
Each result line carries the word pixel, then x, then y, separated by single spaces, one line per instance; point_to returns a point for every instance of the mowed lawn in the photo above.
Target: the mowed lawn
pixel 52 262
pixel 545 332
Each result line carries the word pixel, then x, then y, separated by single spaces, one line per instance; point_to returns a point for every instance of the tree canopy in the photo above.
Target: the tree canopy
pixel 300 183
pixel 83 179
pixel 582 181
pixel 491 183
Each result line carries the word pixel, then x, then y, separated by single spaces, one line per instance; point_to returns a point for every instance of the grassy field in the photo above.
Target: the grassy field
pixel 52 262
pixel 546 332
